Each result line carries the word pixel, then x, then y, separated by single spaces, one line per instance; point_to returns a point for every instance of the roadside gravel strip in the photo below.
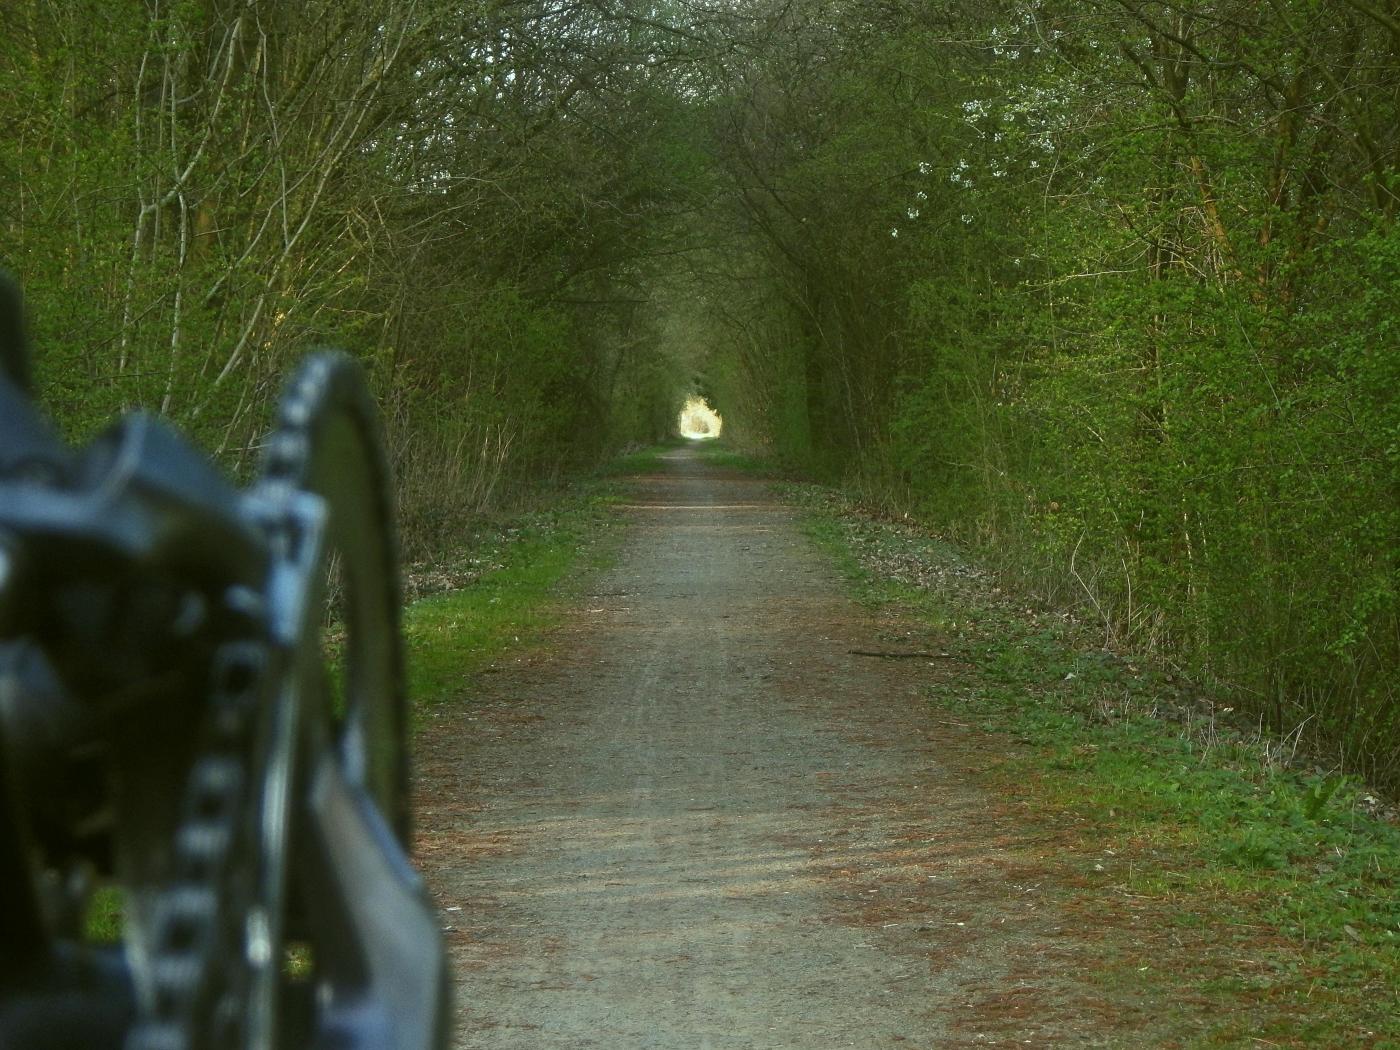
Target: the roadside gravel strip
pixel 704 818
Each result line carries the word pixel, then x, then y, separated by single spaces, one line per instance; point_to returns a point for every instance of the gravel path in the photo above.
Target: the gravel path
pixel 700 821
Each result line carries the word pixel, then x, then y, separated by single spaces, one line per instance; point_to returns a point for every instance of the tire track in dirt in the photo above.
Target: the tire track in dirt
pixel 699 821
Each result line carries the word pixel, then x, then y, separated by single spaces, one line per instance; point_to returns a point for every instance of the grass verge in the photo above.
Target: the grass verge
pixel 639 461
pixel 515 593
pixel 1265 891
pixel 717 454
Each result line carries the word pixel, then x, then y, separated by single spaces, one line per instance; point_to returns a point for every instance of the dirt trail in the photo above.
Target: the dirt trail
pixel 699 821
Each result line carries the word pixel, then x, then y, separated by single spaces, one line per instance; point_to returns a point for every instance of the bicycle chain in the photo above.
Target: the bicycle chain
pixel 198 968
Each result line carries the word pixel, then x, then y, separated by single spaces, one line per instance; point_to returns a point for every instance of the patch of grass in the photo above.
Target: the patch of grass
pixel 639 461
pixel 514 599
pixel 103 921
pixel 1286 873
pixel 716 454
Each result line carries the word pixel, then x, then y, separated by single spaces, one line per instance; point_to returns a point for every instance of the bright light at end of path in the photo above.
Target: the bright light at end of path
pixel 699 420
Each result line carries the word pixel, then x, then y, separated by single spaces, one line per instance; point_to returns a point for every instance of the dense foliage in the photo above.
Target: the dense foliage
pixel 1105 287
pixel 464 195
pixel 1108 288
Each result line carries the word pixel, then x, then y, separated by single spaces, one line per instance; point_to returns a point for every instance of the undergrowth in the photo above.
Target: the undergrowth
pixel 1297 863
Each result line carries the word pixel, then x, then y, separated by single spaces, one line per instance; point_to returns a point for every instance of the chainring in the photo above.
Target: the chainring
pixel 292 917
